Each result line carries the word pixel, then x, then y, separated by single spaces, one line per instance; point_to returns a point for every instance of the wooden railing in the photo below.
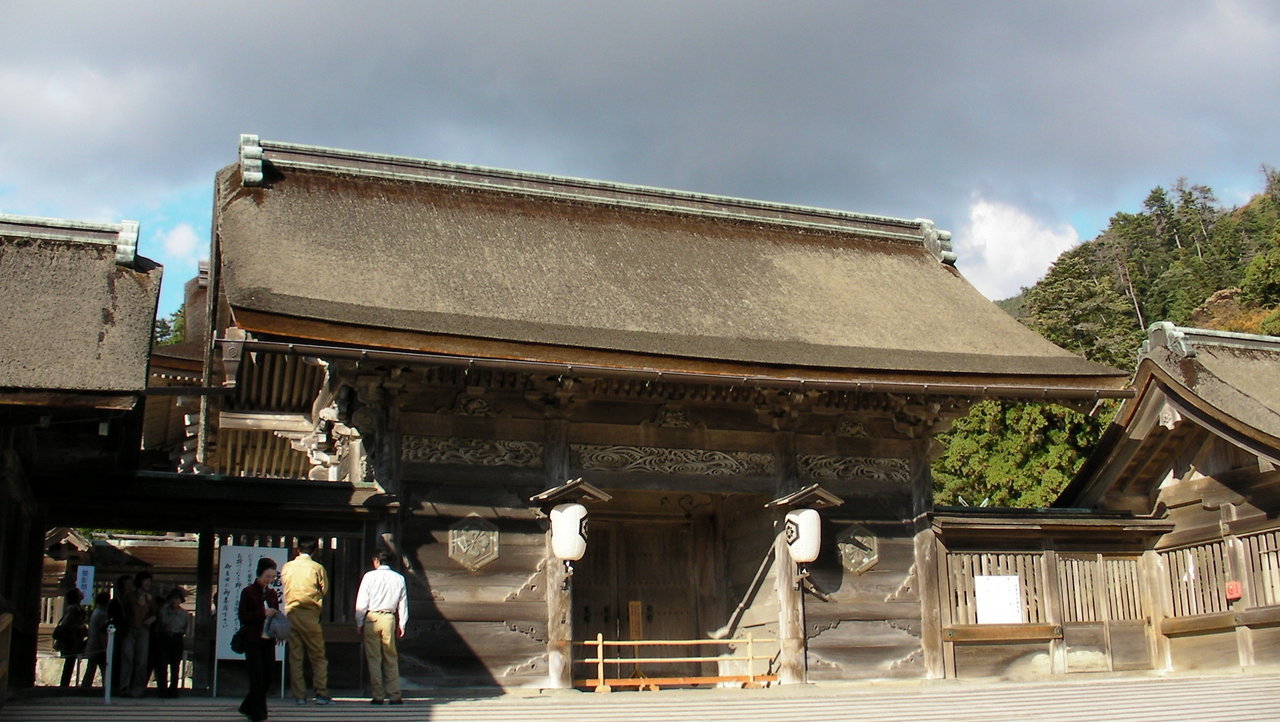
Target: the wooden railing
pixel 604 682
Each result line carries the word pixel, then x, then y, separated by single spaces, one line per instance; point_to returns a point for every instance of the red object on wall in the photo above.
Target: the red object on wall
pixel 1234 591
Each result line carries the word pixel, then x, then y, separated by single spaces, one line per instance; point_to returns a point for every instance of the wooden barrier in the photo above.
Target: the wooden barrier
pixel 604 683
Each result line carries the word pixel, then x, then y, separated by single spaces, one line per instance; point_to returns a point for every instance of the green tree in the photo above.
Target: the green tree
pixel 171 330
pixel 1012 454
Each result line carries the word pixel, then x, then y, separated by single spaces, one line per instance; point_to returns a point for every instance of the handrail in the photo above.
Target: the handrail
pixel 602 683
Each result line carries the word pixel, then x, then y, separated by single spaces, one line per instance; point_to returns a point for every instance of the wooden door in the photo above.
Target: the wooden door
pixel 636 583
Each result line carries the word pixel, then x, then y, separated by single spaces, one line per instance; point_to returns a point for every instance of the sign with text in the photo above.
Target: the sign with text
pixel 84 582
pixel 998 598
pixel 236 570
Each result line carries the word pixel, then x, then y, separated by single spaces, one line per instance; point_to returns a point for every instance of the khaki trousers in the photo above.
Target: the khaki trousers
pixel 380 630
pixel 307 638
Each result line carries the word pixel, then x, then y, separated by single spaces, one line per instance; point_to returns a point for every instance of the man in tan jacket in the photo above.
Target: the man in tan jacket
pixel 305 584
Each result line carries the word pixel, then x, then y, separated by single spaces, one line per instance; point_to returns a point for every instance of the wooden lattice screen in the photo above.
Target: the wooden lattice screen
pixel 1263 552
pixel 962 567
pixel 1197 579
pixel 1086 581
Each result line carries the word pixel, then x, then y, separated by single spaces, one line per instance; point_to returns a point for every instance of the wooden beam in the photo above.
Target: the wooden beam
pixel 1001 632
pixel 1199 624
pixel 249 420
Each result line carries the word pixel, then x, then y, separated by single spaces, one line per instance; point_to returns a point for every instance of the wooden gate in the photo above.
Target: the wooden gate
pixel 636 582
pixel 1105 621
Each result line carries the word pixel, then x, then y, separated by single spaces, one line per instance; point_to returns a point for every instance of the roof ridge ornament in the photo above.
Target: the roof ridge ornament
pixel 937 241
pixel 127 243
pixel 251 172
pixel 122 236
pixel 1184 340
pixel 1164 333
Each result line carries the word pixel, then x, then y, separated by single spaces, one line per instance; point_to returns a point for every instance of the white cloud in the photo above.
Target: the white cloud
pixel 181 245
pixel 1002 248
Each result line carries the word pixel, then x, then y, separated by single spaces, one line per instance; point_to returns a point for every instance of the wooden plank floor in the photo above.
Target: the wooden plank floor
pixel 1237 698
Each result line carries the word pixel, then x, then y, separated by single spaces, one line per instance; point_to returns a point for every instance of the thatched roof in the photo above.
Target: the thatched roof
pixel 79 307
pixel 340 246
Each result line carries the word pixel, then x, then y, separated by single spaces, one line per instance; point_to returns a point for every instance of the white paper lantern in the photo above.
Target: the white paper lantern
pixel 569 531
pixel 804 535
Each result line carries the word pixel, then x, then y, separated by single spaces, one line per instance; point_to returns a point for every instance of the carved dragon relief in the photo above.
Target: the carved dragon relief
pixel 470 452
pixel 704 462
pixel 869 468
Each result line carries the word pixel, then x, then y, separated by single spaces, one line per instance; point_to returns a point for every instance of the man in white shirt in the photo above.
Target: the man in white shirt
pixel 382 610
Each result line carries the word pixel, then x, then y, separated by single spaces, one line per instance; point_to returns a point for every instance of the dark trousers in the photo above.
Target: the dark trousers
pixel 68 668
pixel 260 659
pixel 169 666
pixel 94 662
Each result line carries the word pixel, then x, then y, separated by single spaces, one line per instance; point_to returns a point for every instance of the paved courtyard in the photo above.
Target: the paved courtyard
pixel 1236 698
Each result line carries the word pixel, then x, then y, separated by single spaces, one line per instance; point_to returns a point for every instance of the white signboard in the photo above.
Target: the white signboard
pixel 999 599
pixel 84 582
pixel 236 567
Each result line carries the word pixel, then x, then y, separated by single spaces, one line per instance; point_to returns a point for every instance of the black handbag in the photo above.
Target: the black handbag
pixel 237 641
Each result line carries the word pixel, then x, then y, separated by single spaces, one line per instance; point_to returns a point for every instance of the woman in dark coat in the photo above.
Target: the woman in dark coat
pixel 258 601
pixel 73 629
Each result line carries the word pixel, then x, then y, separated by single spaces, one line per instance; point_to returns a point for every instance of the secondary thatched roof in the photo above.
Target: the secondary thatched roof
pixel 454 259
pixel 79 306
pixel 1189 382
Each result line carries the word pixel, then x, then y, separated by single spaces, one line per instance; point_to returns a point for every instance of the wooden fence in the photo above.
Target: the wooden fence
pixel 604 681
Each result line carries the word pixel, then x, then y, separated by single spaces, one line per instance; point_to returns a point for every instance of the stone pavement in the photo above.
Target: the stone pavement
pixel 1235 698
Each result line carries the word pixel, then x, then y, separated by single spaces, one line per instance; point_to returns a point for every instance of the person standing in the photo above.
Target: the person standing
pixel 69 636
pixel 382 610
pixel 137 644
pixel 95 653
pixel 172 631
pixel 258 602
pixel 305 586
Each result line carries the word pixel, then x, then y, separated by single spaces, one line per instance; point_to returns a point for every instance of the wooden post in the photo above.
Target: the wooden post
pixel 1154 569
pixel 559 585
pixel 559 591
pixel 791 641
pixel 1237 559
pixel 1053 607
pixel 926 559
pixel 600 685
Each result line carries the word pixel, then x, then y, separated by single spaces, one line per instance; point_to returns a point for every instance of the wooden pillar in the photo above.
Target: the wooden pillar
pixel 1237 561
pixel 1053 608
pixel 926 559
pixel 204 643
pixel 791 640
pixel 558 584
pixel 559 590
pixel 1155 572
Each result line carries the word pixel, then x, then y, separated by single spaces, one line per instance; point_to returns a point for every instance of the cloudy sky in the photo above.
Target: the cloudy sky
pixel 1020 126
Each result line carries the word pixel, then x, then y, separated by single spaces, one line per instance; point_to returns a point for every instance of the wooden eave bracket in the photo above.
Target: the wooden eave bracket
pixel 570 491
pixel 812 497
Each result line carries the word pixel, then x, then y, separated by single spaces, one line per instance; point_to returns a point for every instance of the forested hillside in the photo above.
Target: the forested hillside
pixel 1184 259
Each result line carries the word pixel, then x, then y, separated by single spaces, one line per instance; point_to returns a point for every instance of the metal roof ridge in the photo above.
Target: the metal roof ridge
pixel 64 229
pixel 254 157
